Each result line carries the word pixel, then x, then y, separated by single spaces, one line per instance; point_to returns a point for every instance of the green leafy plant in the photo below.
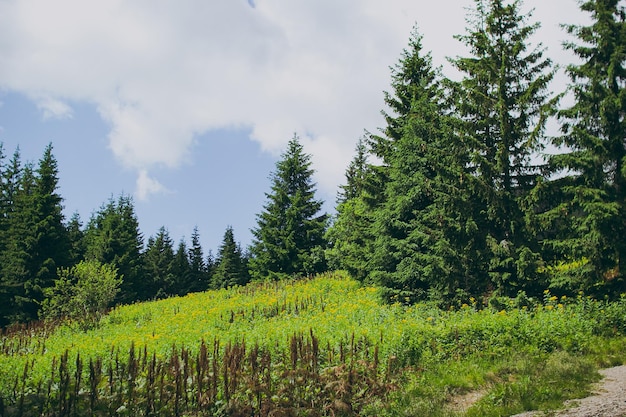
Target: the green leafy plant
pixel 82 293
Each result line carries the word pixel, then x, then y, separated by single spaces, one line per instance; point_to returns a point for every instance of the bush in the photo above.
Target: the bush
pixel 82 293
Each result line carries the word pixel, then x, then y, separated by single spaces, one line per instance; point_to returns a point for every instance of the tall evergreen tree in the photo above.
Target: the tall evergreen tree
pixel 12 177
pixel 158 260
pixel 17 259
pixel 9 182
pixel 76 236
pixel 199 278
pixel 289 237
pixel 181 269
pixel 589 220
pixel 231 269
pixel 421 242
pixel 35 240
pixel 356 174
pixel 113 237
pixel 53 245
pixel 4 203
pixel 350 237
pixel 504 101
pixel 210 268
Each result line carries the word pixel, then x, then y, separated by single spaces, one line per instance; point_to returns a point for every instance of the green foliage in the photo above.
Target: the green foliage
pixel 112 237
pixel 76 236
pixel 14 251
pixel 231 267
pixel 199 274
pixel 289 237
pixel 159 280
pixel 539 383
pixel 447 206
pixel 356 174
pixel 181 269
pixel 504 102
pixel 420 240
pixel 328 342
pixel 586 216
pixel 349 236
pixel 53 244
pixel 82 293
pixel 35 240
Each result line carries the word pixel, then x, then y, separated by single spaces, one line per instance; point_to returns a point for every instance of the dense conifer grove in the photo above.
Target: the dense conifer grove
pixel 453 197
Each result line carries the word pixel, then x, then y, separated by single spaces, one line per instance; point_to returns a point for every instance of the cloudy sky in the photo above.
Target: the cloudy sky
pixel 186 105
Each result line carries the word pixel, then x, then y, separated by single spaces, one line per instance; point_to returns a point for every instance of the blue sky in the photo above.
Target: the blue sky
pixel 187 105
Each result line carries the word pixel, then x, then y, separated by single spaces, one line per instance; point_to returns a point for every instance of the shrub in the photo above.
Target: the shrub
pixel 82 293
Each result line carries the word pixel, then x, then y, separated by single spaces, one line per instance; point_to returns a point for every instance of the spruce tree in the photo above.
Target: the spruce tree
pixel 158 261
pixel 587 221
pixel 4 210
pixel 112 237
pixel 420 229
pixel 356 174
pixel 35 240
pixel 349 236
pixel 231 269
pixel 412 70
pixel 181 269
pixel 199 278
pixel 76 235
pixel 158 266
pixel 53 246
pixel 17 258
pixel 10 180
pixel 504 101
pixel 210 268
pixel 289 237
pixel 4 202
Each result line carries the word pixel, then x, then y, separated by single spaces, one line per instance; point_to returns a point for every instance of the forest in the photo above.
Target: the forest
pixel 467 271
pixel 454 198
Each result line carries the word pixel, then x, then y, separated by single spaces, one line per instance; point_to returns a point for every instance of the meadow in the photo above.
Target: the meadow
pixel 326 346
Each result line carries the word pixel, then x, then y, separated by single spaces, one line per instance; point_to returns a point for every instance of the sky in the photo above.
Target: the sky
pixel 188 105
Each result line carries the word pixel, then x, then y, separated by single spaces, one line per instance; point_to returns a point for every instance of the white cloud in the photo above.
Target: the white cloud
pixel 53 109
pixel 163 72
pixel 147 186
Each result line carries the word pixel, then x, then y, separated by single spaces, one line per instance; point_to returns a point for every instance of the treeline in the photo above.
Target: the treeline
pixel 49 264
pixel 451 199
pixel 37 244
pixel 456 199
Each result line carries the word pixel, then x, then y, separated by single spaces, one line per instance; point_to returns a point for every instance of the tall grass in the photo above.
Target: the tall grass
pixel 325 346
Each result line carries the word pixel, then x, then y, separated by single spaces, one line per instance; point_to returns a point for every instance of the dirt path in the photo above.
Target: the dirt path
pixel 608 398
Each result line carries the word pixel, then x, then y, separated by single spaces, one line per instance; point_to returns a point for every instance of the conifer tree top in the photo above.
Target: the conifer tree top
pixel 290 226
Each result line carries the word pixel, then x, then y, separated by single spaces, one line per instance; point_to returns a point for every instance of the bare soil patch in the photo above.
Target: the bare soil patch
pixel 462 402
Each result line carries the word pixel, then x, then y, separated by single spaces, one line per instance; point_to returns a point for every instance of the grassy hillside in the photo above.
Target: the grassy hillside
pixel 325 346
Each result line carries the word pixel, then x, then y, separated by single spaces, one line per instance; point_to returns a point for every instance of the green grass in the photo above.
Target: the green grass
pixel 328 344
